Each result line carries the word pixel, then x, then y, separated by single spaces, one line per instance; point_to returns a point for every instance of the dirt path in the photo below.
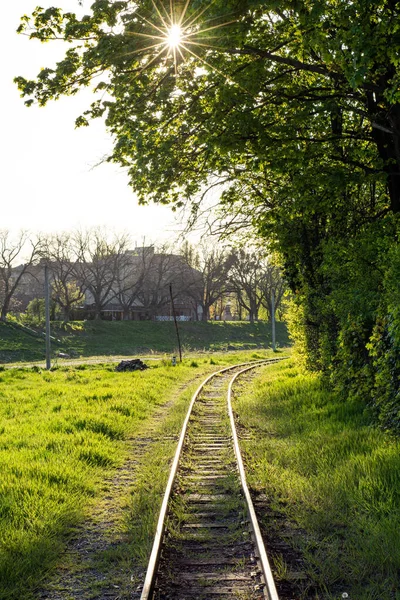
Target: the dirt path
pixel 84 572
pixel 95 564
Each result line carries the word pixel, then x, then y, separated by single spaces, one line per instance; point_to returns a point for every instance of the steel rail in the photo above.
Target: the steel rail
pixel 272 594
pixel 148 586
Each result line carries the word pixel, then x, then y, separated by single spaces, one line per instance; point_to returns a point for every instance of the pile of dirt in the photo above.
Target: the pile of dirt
pixel 131 365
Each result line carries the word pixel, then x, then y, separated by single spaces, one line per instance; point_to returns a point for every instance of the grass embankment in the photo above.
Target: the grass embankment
pixel 17 345
pixel 128 338
pixel 62 436
pixel 332 480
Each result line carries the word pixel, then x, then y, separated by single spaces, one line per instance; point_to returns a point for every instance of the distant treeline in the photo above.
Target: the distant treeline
pixel 96 275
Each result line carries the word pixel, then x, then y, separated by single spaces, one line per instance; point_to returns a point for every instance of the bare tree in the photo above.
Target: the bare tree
pixel 67 292
pixel 132 270
pixel 246 279
pixel 210 283
pixel 12 250
pixel 162 268
pixel 273 283
pixel 254 279
pixel 97 265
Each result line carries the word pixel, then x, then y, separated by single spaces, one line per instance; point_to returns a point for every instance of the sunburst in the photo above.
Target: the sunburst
pixel 173 35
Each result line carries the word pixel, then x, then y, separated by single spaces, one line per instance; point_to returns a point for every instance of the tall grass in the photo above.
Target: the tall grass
pixel 333 475
pixel 61 434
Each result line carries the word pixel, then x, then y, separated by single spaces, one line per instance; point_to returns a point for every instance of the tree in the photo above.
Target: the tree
pixel 269 78
pixel 294 108
pixel 246 278
pixel 272 284
pixel 163 268
pixel 97 265
pixel 66 291
pixel 131 273
pixel 254 280
pixel 209 277
pixel 10 277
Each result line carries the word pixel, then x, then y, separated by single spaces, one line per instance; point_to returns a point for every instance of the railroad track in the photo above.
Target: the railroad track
pixel 208 544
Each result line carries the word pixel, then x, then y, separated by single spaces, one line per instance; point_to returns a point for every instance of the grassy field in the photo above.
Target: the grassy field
pixel 332 483
pixel 128 338
pixel 63 435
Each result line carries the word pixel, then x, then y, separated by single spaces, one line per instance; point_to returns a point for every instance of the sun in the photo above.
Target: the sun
pixel 174 36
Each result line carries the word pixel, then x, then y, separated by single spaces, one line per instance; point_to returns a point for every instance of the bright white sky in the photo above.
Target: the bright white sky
pixel 47 182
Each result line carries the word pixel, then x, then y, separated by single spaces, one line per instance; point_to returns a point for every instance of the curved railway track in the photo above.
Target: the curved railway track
pixel 208 544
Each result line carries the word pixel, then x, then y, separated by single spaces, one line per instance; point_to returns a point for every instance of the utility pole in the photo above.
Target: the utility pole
pixel 273 320
pixel 47 307
pixel 175 321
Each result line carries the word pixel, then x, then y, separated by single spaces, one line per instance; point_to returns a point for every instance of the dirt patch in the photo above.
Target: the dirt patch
pixel 95 563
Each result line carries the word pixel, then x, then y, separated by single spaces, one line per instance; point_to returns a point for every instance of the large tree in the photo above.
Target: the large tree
pixel 98 264
pixel 208 276
pixel 254 281
pixel 294 108
pixel 130 276
pixel 251 84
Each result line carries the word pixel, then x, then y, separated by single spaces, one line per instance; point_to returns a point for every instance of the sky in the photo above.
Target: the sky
pixel 48 178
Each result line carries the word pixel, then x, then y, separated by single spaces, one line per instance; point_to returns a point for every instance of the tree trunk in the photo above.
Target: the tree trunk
pixel 255 312
pixel 4 310
pixel 240 313
pixel 388 144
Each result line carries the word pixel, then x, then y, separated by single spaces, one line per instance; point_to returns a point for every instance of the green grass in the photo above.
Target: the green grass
pixel 63 434
pixel 127 338
pixel 16 345
pixel 332 478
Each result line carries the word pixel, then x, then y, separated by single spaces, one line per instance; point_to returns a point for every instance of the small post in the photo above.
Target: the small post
pixel 47 307
pixel 175 321
pixel 273 320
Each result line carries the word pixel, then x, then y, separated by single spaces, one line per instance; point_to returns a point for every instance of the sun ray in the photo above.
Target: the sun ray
pixel 215 27
pixel 160 15
pixel 196 17
pixel 140 50
pixel 193 38
pixel 180 52
pixel 193 43
pixel 176 33
pixel 146 66
pixel 218 71
pixel 204 21
pixel 183 12
pixel 174 37
pixel 205 62
pixel 146 35
pixel 151 24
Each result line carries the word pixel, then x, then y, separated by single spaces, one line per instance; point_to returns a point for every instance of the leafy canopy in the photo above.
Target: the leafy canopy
pixel 274 89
